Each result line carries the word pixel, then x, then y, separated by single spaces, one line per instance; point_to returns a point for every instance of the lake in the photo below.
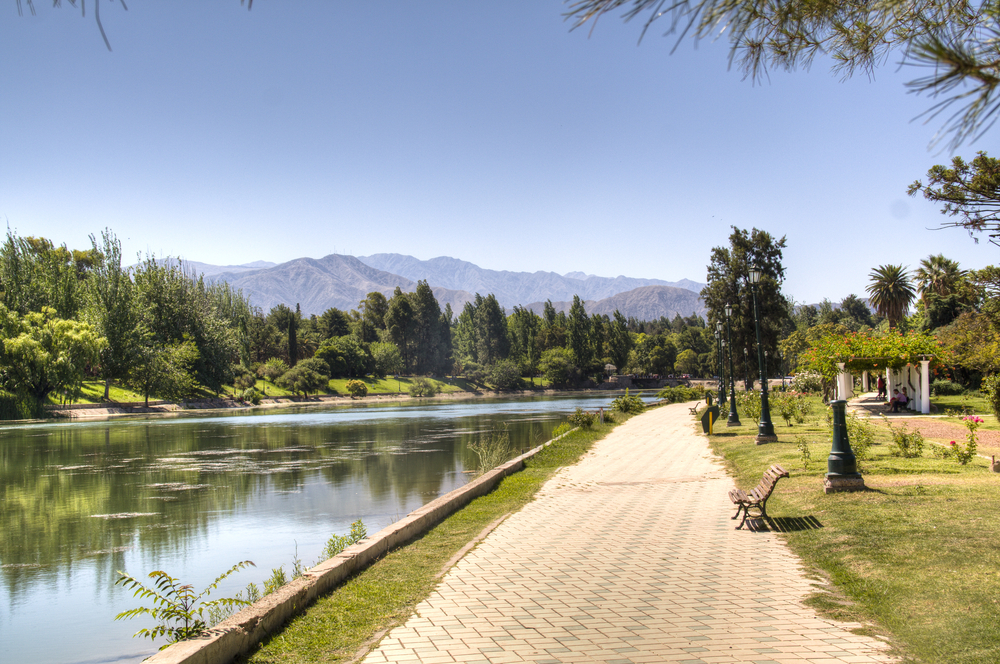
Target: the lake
pixel 193 495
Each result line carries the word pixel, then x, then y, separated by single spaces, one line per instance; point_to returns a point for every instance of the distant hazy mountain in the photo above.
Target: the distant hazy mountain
pixel 643 303
pixel 212 270
pixel 318 284
pixel 343 281
pixel 512 288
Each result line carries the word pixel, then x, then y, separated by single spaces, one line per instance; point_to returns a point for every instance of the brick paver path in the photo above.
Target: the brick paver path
pixel 629 556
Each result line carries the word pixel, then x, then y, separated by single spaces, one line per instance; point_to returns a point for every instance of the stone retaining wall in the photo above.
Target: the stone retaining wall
pixel 241 632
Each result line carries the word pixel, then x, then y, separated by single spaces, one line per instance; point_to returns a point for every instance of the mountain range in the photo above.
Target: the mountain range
pixel 316 284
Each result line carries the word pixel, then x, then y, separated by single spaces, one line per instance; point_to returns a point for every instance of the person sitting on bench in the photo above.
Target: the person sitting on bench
pixel 899 400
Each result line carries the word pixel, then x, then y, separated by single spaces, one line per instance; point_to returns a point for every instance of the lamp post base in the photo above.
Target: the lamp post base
pixel 762 438
pixel 734 423
pixel 838 483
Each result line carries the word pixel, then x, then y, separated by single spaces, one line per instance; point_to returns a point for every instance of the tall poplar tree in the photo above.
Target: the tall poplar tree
pixel 729 283
pixel 112 310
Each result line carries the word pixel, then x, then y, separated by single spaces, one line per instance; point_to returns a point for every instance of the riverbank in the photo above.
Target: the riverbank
pixel 223 405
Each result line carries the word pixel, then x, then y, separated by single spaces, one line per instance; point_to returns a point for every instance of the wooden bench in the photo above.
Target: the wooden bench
pixel 694 409
pixel 757 499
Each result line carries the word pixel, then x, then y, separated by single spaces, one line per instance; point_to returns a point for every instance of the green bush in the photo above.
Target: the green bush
pixel 357 388
pixel 861 434
pixel 905 443
pixel 582 419
pixel 242 378
pixel 749 403
pixel 628 404
pixel 422 387
pixel 505 375
pixel 991 388
pixel 807 381
pixel 681 394
pixel 561 429
pixel 252 395
pixel 273 369
pixel 338 543
pixel 943 387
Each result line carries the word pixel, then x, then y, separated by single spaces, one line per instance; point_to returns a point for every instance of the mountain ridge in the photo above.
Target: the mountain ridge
pixel 317 284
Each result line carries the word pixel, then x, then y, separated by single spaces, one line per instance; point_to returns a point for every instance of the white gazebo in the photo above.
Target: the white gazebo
pixel 915 377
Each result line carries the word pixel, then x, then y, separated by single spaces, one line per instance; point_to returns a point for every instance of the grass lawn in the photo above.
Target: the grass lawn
pixel 971 401
pixel 917 555
pixel 340 624
pixel 93 392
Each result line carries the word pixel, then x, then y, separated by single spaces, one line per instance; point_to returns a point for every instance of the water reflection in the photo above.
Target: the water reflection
pixel 192 496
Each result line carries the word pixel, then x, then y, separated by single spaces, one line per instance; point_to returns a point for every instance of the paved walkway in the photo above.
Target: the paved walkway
pixel 629 556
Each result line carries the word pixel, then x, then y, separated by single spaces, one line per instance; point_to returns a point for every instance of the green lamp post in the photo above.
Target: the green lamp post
pixel 765 430
pixel 722 378
pixel 841 466
pixel 734 417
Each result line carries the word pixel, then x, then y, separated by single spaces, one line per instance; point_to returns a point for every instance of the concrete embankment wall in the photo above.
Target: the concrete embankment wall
pixel 240 633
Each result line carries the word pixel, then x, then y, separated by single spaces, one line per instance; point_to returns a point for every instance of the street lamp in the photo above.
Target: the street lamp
pixel 765 430
pixel 722 377
pixel 734 417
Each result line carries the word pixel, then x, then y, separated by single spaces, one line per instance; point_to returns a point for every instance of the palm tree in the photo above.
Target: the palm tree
pixel 891 292
pixel 938 275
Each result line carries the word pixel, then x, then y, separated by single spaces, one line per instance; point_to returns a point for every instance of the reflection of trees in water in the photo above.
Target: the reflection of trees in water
pixel 160 485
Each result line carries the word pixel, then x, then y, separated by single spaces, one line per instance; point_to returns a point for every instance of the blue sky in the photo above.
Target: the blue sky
pixel 490 132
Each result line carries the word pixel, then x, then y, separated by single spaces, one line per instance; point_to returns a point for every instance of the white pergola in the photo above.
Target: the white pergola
pixel 916 380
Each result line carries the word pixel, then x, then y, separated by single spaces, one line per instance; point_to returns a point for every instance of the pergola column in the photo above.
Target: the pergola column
pixel 864 381
pixel 844 387
pixel 925 386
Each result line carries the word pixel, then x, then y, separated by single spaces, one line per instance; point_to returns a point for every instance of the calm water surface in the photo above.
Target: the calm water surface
pixel 193 496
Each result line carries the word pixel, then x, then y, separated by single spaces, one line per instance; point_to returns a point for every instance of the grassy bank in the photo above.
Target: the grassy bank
pixel 357 613
pixel 916 555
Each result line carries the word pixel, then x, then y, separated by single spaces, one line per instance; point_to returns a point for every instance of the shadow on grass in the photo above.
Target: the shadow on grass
pixel 784 524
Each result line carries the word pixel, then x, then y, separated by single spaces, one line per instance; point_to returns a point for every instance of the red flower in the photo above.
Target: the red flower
pixel 952 442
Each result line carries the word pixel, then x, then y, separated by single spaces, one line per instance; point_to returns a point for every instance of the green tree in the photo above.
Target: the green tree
pixel 492 342
pixel 557 367
pixel 619 342
pixel 386 359
pixel 687 362
pixel 728 283
pixel 954 42
pixel 890 292
pixel 43 354
pixel 307 376
pixel 112 310
pixel 287 323
pixel 523 326
pixel 578 332
pixel 166 371
pixel 970 192
pixel 333 323
pixel 400 322
pixel 345 356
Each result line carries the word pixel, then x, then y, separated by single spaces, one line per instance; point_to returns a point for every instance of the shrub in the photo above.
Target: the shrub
pixel 357 388
pixel 505 375
pixel 177 608
pixel 561 429
pixel 943 387
pixel 493 448
pixel 582 419
pixel 906 444
pixel 306 376
pixel 991 388
pixel 277 579
pixel 273 369
pixel 243 379
pixel 807 381
pixel 628 404
pixel 749 403
pixel 861 434
pixel 338 543
pixel 422 387
pixel 803 447
pixel 681 394
pixel 252 395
